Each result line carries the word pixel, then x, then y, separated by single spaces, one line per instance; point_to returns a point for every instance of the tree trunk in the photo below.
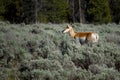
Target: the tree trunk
pixel 80 12
pixel 73 11
pixel 36 11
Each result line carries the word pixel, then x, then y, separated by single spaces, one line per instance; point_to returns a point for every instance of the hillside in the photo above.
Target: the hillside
pixel 43 52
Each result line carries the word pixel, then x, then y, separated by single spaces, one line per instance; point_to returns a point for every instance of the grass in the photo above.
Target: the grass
pixel 43 52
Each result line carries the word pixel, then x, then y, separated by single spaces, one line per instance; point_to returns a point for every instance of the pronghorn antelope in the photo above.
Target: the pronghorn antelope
pixel 84 37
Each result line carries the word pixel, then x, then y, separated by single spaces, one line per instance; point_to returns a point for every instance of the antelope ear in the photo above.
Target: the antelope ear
pixel 69 25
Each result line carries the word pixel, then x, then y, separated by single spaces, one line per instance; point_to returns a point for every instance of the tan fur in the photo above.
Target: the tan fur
pixel 83 36
pixel 87 35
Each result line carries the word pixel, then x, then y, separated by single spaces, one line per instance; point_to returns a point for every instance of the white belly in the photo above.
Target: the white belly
pixel 82 38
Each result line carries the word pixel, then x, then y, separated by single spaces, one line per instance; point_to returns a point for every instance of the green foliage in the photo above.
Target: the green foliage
pixel 2 9
pixel 115 10
pixel 55 12
pixel 58 11
pixel 42 51
pixel 99 11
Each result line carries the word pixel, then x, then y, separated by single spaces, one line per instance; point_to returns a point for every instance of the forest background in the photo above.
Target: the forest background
pixel 60 11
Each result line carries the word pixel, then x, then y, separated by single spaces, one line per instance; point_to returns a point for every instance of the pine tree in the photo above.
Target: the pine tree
pixel 98 11
pixel 57 11
pixel 71 10
pixel 28 8
pixel 19 11
pixel 2 9
pixel 12 10
pixel 115 10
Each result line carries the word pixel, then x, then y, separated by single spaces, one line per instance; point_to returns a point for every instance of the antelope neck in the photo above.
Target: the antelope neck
pixel 72 33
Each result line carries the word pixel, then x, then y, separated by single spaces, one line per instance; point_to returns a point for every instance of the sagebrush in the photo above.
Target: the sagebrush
pixel 43 52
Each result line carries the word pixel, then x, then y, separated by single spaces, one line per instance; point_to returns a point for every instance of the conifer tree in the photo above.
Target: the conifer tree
pixel 56 10
pixel 2 9
pixel 115 10
pixel 28 8
pixel 98 11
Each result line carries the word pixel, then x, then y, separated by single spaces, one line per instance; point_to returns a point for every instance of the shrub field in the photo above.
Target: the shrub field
pixel 43 52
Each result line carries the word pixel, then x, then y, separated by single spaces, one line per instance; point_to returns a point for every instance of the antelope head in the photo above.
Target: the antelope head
pixel 67 29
